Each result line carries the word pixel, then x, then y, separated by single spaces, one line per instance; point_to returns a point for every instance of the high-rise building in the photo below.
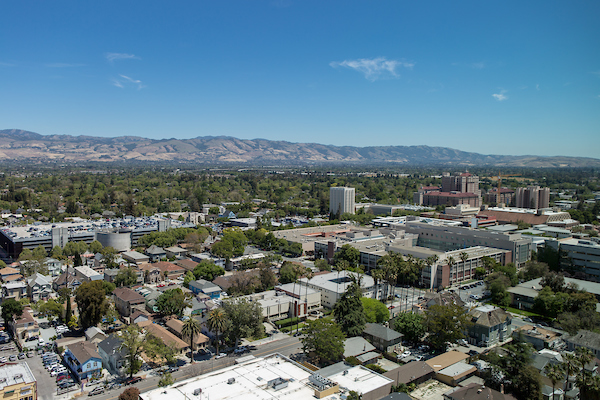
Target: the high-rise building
pixel 464 183
pixel 532 197
pixel 341 200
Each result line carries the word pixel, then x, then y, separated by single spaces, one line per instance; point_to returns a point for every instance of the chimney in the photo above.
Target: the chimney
pixel 502 388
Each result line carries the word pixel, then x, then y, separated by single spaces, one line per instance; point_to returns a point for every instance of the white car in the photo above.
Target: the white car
pixel 221 355
pixel 41 342
pixel 58 371
pixel 405 354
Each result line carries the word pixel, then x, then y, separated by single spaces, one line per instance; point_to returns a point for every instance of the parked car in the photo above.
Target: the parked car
pixel 21 356
pixel 463 342
pixel 221 355
pixel 132 380
pixel 30 354
pixel 173 368
pixel 57 371
pixel 3 359
pixel 405 354
pixel 98 390
pixel 66 385
pixel 13 358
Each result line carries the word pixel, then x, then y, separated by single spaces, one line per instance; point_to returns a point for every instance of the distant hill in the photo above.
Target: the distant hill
pixel 23 146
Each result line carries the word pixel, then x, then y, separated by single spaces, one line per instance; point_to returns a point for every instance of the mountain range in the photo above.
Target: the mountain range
pixel 22 146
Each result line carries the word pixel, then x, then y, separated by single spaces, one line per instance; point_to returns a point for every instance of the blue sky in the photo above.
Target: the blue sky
pixel 494 77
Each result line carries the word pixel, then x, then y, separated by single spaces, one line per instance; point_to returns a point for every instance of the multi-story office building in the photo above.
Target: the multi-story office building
pixel 114 232
pixel 463 183
pixel 581 254
pixel 341 200
pixel 532 197
pixel 505 197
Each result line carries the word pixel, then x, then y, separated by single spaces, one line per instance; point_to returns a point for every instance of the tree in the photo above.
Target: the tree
pixel 533 270
pixel 51 308
pixel 131 393
pixel 325 339
pixel 95 247
pixel 156 348
pixel 172 302
pixel 189 277
pixel 322 265
pixel 166 380
pixel 217 322
pixel 555 373
pixel 109 287
pixel 352 395
pixel 208 270
pixel 375 311
pixel 349 312
pixel 411 325
pixel 267 278
pixel 133 343
pixel 191 328
pixel 2 264
pixel 245 319
pixel 289 272
pixel 348 253
pixel 126 277
pixel 446 324
pixel 109 255
pixel 91 303
pixel 11 308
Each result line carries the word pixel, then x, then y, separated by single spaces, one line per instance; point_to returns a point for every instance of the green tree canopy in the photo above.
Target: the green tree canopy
pixel 133 344
pixel 349 312
pixel 11 308
pixel 172 302
pixel 245 319
pixel 325 339
pixel 126 277
pixel 51 309
pixel 208 270
pixel 446 324
pixel 411 325
pixel 91 303
pixel 375 310
pixel 289 272
pixel 348 253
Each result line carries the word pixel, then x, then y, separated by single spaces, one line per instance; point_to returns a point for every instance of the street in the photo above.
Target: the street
pixel 286 346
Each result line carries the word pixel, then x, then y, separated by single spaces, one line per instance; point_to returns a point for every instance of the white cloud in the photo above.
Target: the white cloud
pixel 374 68
pixel 537 86
pixel 111 57
pixel 5 64
pixel 500 96
pixel 478 65
pixel 125 80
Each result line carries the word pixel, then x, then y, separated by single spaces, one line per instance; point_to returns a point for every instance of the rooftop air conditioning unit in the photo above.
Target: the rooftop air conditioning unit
pixel 197 392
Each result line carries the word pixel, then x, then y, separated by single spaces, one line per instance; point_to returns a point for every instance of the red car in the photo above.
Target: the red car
pixel 132 380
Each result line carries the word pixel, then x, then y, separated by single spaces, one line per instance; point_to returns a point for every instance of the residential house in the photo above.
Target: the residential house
pixel 206 287
pixel 539 337
pixel 25 326
pixel 10 274
pixel 415 372
pixel 17 382
pixel 198 307
pixel 175 251
pixel 135 257
pixel 152 274
pixel 39 287
pixel 475 391
pixel 176 327
pixel 66 280
pixel 110 274
pixel 113 355
pixel 94 334
pixel 588 339
pixel 383 338
pixel 164 335
pixel 54 266
pixel 14 290
pixel 361 349
pixel 86 274
pixel 170 270
pixel 446 359
pixel 491 325
pixel 83 359
pixel 155 253
pixel 139 316
pixel 456 373
pixel 150 300
pixel 126 299
pixel 187 264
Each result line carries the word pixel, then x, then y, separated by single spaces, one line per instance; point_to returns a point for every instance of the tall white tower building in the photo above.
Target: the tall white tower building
pixel 341 200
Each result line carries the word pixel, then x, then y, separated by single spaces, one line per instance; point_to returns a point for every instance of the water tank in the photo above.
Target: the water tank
pixel 120 241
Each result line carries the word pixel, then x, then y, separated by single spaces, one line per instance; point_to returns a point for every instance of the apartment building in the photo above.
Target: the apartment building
pixel 532 197
pixel 17 382
pixel 341 200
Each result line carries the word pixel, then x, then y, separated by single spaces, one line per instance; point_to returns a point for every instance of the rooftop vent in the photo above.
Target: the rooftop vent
pixel 197 392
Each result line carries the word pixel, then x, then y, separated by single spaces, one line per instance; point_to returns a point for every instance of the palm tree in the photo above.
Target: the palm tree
pixel 583 356
pixel 555 373
pixel 217 322
pixel 464 257
pixel 570 366
pixel 430 261
pixel 308 274
pixel 377 275
pixel 191 328
pixel 451 262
